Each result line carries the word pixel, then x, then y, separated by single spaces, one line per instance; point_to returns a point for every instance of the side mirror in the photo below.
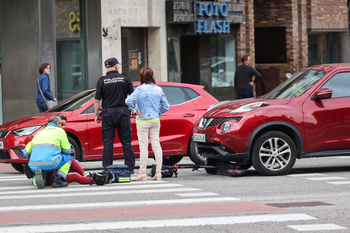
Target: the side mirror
pixel 323 93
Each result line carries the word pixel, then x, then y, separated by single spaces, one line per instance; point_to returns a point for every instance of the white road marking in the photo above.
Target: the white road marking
pixel 307 174
pixel 118 204
pixel 316 227
pixel 74 185
pixel 96 226
pixel 196 194
pixel 95 192
pixel 339 182
pixel 87 188
pixel 13 179
pixel 328 178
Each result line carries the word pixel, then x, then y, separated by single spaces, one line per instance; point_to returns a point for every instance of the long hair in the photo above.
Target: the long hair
pixel 42 67
pixel 146 75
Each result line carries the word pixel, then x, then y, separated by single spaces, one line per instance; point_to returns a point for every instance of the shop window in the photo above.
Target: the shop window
pixel 70 48
pixel 321 48
pixel 174 59
pixel 223 64
pixel 134 52
pixel 270 45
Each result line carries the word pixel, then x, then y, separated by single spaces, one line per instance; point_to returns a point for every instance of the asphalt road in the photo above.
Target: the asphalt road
pixel 313 197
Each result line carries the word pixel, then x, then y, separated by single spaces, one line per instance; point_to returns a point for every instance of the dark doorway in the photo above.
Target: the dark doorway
pixel 270 78
pixel 190 59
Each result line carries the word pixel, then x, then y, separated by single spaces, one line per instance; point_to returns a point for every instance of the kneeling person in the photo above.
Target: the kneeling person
pixel 48 151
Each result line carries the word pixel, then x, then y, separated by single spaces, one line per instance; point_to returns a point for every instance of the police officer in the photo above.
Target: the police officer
pixel 113 90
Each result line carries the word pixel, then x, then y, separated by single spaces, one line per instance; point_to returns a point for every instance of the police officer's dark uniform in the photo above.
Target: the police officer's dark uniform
pixel 113 89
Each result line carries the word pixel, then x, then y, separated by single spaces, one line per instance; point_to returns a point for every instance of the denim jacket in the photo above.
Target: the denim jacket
pixel 151 101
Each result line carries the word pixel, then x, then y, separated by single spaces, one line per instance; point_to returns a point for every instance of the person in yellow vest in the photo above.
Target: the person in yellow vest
pixel 49 150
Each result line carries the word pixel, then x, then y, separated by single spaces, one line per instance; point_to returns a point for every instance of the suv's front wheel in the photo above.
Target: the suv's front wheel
pixel 274 153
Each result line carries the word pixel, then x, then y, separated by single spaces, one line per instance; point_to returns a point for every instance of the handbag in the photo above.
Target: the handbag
pixel 49 103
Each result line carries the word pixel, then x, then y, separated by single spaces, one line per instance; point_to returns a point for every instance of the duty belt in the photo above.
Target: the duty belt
pixel 112 109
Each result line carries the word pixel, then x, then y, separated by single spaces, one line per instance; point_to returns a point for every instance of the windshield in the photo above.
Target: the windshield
pixel 75 102
pixel 296 85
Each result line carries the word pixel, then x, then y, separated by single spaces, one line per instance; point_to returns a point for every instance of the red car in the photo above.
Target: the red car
pixel 187 104
pixel 306 116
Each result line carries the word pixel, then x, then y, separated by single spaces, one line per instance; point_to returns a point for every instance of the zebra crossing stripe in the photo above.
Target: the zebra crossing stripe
pixel 118 204
pixel 316 227
pixel 306 174
pixel 72 186
pixel 96 226
pixel 87 188
pixel 328 178
pixel 96 192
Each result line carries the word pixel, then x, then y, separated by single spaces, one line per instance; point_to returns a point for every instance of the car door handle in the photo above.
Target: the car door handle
pixel 189 115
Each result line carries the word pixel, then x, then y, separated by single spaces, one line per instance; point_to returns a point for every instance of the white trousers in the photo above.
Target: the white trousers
pixel 151 131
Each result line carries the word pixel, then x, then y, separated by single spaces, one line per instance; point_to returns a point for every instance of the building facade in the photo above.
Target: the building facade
pixel 199 42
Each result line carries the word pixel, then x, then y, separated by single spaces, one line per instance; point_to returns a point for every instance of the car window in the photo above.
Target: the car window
pixel 191 93
pixel 75 102
pixel 339 84
pixel 174 95
pixel 296 85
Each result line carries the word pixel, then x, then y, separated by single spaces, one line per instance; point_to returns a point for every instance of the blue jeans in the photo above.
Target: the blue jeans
pixel 42 106
pixel 245 94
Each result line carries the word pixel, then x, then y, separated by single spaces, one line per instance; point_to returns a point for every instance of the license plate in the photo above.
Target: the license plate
pixel 1 145
pixel 199 137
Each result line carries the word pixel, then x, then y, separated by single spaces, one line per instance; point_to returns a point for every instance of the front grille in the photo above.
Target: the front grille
pixel 3 134
pixel 209 122
pixel 4 154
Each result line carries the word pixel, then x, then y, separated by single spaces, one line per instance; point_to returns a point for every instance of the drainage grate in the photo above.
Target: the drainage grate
pixel 299 204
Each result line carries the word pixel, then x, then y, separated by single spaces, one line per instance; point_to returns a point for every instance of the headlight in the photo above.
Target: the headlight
pixel 26 131
pixel 226 126
pixel 250 107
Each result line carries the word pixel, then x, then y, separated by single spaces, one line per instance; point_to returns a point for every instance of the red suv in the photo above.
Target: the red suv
pixel 306 116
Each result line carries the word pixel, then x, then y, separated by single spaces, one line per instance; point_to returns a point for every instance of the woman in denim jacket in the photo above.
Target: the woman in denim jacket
pixel 149 102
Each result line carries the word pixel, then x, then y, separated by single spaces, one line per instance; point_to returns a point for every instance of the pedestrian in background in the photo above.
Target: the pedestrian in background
pixel 244 79
pixel 113 90
pixel 44 84
pixel 149 102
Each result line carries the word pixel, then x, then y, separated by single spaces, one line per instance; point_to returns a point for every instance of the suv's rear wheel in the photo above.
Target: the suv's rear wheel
pixel 274 153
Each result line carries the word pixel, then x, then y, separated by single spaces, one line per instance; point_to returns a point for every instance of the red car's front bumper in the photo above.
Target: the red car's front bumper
pixel 13 155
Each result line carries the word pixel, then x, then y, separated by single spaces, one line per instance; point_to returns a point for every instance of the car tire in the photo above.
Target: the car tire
pixel 194 155
pixel 266 158
pixel 211 162
pixel 18 167
pixel 75 149
pixel 171 160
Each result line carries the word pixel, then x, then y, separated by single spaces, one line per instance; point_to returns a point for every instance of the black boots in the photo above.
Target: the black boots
pixel 58 182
